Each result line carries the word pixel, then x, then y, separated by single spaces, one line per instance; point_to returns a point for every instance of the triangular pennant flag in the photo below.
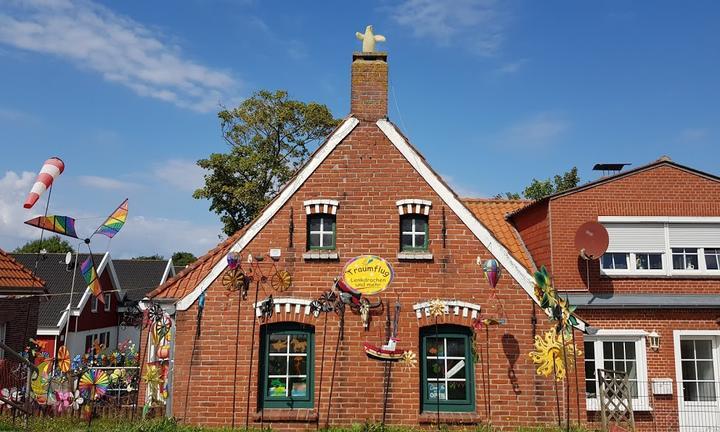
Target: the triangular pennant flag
pixel 115 221
pixel 87 268
pixel 64 225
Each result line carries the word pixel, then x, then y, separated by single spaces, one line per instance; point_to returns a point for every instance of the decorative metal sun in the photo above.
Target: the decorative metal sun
pixel 437 308
pixel 548 354
pixel 409 359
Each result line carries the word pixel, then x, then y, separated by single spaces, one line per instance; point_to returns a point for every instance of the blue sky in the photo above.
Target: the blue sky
pixel 493 93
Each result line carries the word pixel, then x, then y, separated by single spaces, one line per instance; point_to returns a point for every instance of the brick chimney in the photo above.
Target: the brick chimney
pixel 369 86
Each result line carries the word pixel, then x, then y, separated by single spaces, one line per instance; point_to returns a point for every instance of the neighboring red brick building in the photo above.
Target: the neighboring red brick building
pixel 18 315
pixel 366 190
pixel 660 276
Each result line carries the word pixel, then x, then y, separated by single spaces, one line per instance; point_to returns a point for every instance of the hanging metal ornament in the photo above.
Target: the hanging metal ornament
pixel 266 308
pixel 281 280
pixel 491 269
pixel 235 278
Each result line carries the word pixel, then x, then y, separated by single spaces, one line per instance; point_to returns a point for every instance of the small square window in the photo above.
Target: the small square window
pixel 413 232
pixel 93 304
pixel 685 259
pixel 321 231
pixel 615 261
pixel 712 259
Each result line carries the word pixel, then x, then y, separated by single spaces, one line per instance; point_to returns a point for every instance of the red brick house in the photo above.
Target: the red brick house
pixel 366 190
pixel 18 314
pixel 660 277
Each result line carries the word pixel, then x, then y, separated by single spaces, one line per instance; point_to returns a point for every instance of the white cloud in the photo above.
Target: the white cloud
pixel 182 174
pixel 535 132
pixel 105 183
pixel 14 188
pixel 476 24
pixel 121 50
pixel 462 190
pixel 693 135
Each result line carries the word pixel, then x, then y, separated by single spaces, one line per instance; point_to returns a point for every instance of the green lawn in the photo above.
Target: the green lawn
pixel 65 424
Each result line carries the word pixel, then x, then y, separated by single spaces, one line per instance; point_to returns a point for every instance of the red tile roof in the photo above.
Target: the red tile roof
pixel 185 282
pixel 14 277
pixel 491 212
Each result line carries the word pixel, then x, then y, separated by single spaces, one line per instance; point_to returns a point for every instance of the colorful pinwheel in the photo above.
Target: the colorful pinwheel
pixel 63 359
pixel 40 383
pixel 63 401
pixel 95 382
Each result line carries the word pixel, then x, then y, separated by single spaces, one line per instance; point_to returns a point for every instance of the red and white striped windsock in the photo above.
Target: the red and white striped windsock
pixel 52 168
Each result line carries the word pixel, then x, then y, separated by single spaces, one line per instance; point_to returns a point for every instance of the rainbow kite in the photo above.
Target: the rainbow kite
pixel 87 268
pixel 64 225
pixel 114 222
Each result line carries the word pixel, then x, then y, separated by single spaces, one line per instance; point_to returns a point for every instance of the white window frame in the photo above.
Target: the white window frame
pixel 641 403
pixel 322 232
pixel 667 260
pixel 93 304
pixel 108 300
pixel 3 331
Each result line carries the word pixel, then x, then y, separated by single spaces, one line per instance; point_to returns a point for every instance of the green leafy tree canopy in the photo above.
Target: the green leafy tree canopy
pixel 181 259
pixel 270 137
pixel 541 188
pixel 52 244
pixel 155 257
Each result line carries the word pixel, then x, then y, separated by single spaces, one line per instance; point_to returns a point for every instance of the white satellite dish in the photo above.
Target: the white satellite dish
pixel 68 258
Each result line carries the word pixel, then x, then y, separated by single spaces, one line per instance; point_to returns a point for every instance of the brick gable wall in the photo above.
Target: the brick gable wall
pixel 367 175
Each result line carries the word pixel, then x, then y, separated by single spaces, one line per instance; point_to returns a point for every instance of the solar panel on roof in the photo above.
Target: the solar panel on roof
pixel 609 166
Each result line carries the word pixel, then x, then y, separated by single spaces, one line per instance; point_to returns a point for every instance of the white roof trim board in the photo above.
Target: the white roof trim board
pixel 497 249
pixel 292 187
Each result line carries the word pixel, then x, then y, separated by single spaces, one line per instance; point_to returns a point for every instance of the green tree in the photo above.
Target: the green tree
pixel 181 259
pixel 539 189
pixel 270 137
pixel 155 257
pixel 52 244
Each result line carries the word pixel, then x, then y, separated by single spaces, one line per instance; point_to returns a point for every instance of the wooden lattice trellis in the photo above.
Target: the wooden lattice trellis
pixel 615 400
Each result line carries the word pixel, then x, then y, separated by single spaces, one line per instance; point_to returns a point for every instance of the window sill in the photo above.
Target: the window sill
pixel 694 275
pixel 592 406
pixel 415 256
pixel 299 415
pixel 320 255
pixel 455 418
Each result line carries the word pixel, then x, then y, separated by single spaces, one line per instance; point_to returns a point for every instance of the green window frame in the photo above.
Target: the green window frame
pixel 321 231
pixel 413 232
pixel 286 365
pixel 449 366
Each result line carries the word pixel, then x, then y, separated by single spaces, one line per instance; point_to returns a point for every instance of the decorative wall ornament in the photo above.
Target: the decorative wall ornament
pixel 325 206
pixel 266 309
pixel 491 269
pixel 437 308
pixel 368 39
pixel 366 274
pixel 413 206
pixel 550 357
pixel 409 359
pixel 453 307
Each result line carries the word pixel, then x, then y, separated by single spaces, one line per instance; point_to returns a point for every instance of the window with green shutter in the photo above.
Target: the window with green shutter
pixel 447 369
pixel 287 366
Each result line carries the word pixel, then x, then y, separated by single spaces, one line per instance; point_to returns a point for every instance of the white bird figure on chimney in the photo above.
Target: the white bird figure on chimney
pixel 369 39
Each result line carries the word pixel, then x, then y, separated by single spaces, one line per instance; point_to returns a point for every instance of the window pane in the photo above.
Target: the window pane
pixel 314 223
pixel 420 224
pixel 631 369
pixel 298 365
pixel 456 390
pixel 314 240
pixel 607 262
pixel 406 224
pixel 691 261
pixel 298 343
pixel 608 364
pixel 656 262
pixel 619 348
pixel 630 350
pixel 711 261
pixel 277 365
pixel 688 370
pixel 434 347
pixel 620 261
pixel 432 391
pixel 327 240
pixel 406 240
pixel 456 368
pixel 589 350
pixel 607 349
pixel 703 349
pixel 435 368
pixel 687 350
pixel 278 343
pixel 706 392
pixel 690 391
pixel 590 370
pixel 590 389
pixel 298 387
pixel 678 262
pixel 705 370
pixel 276 387
pixel 456 347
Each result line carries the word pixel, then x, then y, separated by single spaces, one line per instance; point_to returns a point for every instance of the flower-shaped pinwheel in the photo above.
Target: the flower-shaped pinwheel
pixel 63 401
pixel 77 400
pixel 95 383
pixel 437 308
pixel 549 357
pixel 63 359
pixel 408 359
pixel 153 378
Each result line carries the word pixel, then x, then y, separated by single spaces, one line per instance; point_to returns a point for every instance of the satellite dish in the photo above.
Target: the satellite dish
pixel 591 240
pixel 68 258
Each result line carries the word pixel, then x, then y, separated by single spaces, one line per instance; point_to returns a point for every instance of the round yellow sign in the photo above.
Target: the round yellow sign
pixel 368 274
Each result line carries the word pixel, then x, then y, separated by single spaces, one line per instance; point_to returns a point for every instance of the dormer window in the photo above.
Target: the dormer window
pixel 321 224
